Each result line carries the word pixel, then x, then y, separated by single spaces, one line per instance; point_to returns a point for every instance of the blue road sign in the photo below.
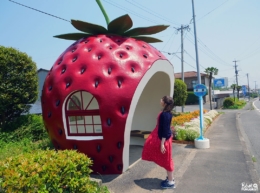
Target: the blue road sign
pixel 244 90
pixel 200 90
pixel 220 82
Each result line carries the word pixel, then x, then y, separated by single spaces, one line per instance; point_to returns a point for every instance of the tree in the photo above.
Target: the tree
pixel 19 84
pixel 233 86
pixel 210 71
pixel 238 89
pixel 180 93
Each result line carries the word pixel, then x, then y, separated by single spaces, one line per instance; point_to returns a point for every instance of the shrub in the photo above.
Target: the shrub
pixel 19 84
pixel 180 134
pixel 48 171
pixel 25 126
pixel 192 98
pixel 186 134
pixel 228 102
pixel 253 95
pixel 185 117
pixel 191 135
pixel 180 93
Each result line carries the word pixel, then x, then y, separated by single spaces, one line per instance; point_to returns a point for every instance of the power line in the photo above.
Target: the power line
pixel 169 40
pixel 212 10
pixel 193 58
pixel 185 62
pixel 169 53
pixel 202 50
pixel 190 55
pixel 40 11
pixel 249 46
pixel 183 39
pixel 209 53
pixel 151 12
pixel 252 53
pixel 130 11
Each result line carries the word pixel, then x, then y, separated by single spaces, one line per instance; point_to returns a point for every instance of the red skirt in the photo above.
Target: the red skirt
pixel 152 151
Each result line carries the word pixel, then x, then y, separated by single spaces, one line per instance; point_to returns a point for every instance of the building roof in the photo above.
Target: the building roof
pixel 41 69
pixel 36 108
pixel 189 74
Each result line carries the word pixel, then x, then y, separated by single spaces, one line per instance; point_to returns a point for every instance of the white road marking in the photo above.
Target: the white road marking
pixel 255 106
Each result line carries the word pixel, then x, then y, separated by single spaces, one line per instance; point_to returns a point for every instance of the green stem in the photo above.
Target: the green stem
pixel 103 11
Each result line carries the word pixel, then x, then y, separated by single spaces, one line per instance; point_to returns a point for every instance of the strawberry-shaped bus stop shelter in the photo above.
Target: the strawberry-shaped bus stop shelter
pixel 106 84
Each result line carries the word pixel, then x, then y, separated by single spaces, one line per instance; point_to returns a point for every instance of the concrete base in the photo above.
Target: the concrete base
pixel 201 143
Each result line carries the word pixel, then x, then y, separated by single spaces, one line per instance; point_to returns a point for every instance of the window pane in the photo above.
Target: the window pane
pixel 72 119
pixel 89 128
pixel 74 102
pixel 73 129
pixel 81 129
pixel 98 128
pixel 88 120
pixel 86 99
pixel 97 119
pixel 80 120
pixel 93 105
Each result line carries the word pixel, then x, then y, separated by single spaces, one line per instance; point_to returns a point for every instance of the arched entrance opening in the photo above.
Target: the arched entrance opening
pixel 145 106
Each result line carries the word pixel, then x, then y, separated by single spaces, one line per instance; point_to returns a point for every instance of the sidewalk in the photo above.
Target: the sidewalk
pixel 221 168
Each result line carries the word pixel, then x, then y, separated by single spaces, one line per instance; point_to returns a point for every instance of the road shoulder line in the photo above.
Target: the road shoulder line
pixel 246 150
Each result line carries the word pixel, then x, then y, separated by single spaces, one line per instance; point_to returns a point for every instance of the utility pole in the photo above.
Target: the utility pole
pixel 182 60
pixel 200 142
pixel 255 87
pixel 196 45
pixel 248 87
pixel 236 72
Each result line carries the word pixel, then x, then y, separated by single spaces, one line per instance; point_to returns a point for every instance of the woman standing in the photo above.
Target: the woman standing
pixel 158 146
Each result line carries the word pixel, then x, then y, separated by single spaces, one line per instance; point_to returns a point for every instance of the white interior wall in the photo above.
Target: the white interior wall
pixel 145 106
pixel 148 105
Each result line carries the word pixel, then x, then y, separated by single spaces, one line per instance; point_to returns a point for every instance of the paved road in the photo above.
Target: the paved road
pixel 250 121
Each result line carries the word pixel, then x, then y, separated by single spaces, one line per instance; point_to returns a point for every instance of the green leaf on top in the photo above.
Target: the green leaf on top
pixel 88 27
pixel 145 30
pixel 120 24
pixel 147 39
pixel 72 36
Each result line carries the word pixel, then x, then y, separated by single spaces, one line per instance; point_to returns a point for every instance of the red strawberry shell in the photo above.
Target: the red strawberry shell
pixel 114 70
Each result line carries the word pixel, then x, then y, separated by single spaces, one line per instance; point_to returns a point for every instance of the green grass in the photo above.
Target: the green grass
pixel 253 159
pixel 9 149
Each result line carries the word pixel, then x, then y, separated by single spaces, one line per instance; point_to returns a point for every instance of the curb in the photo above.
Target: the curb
pixel 99 181
pixel 253 104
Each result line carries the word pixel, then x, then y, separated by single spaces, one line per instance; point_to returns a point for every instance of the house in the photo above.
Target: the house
pixel 190 79
pixel 36 107
pixel 42 73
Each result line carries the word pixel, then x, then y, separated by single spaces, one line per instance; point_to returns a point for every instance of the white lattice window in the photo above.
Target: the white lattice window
pixel 82 115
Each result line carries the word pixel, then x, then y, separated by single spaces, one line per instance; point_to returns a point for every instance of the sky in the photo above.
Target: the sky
pixel 227 30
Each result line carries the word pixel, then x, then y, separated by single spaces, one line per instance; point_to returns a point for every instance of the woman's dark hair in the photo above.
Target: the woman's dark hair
pixel 169 103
